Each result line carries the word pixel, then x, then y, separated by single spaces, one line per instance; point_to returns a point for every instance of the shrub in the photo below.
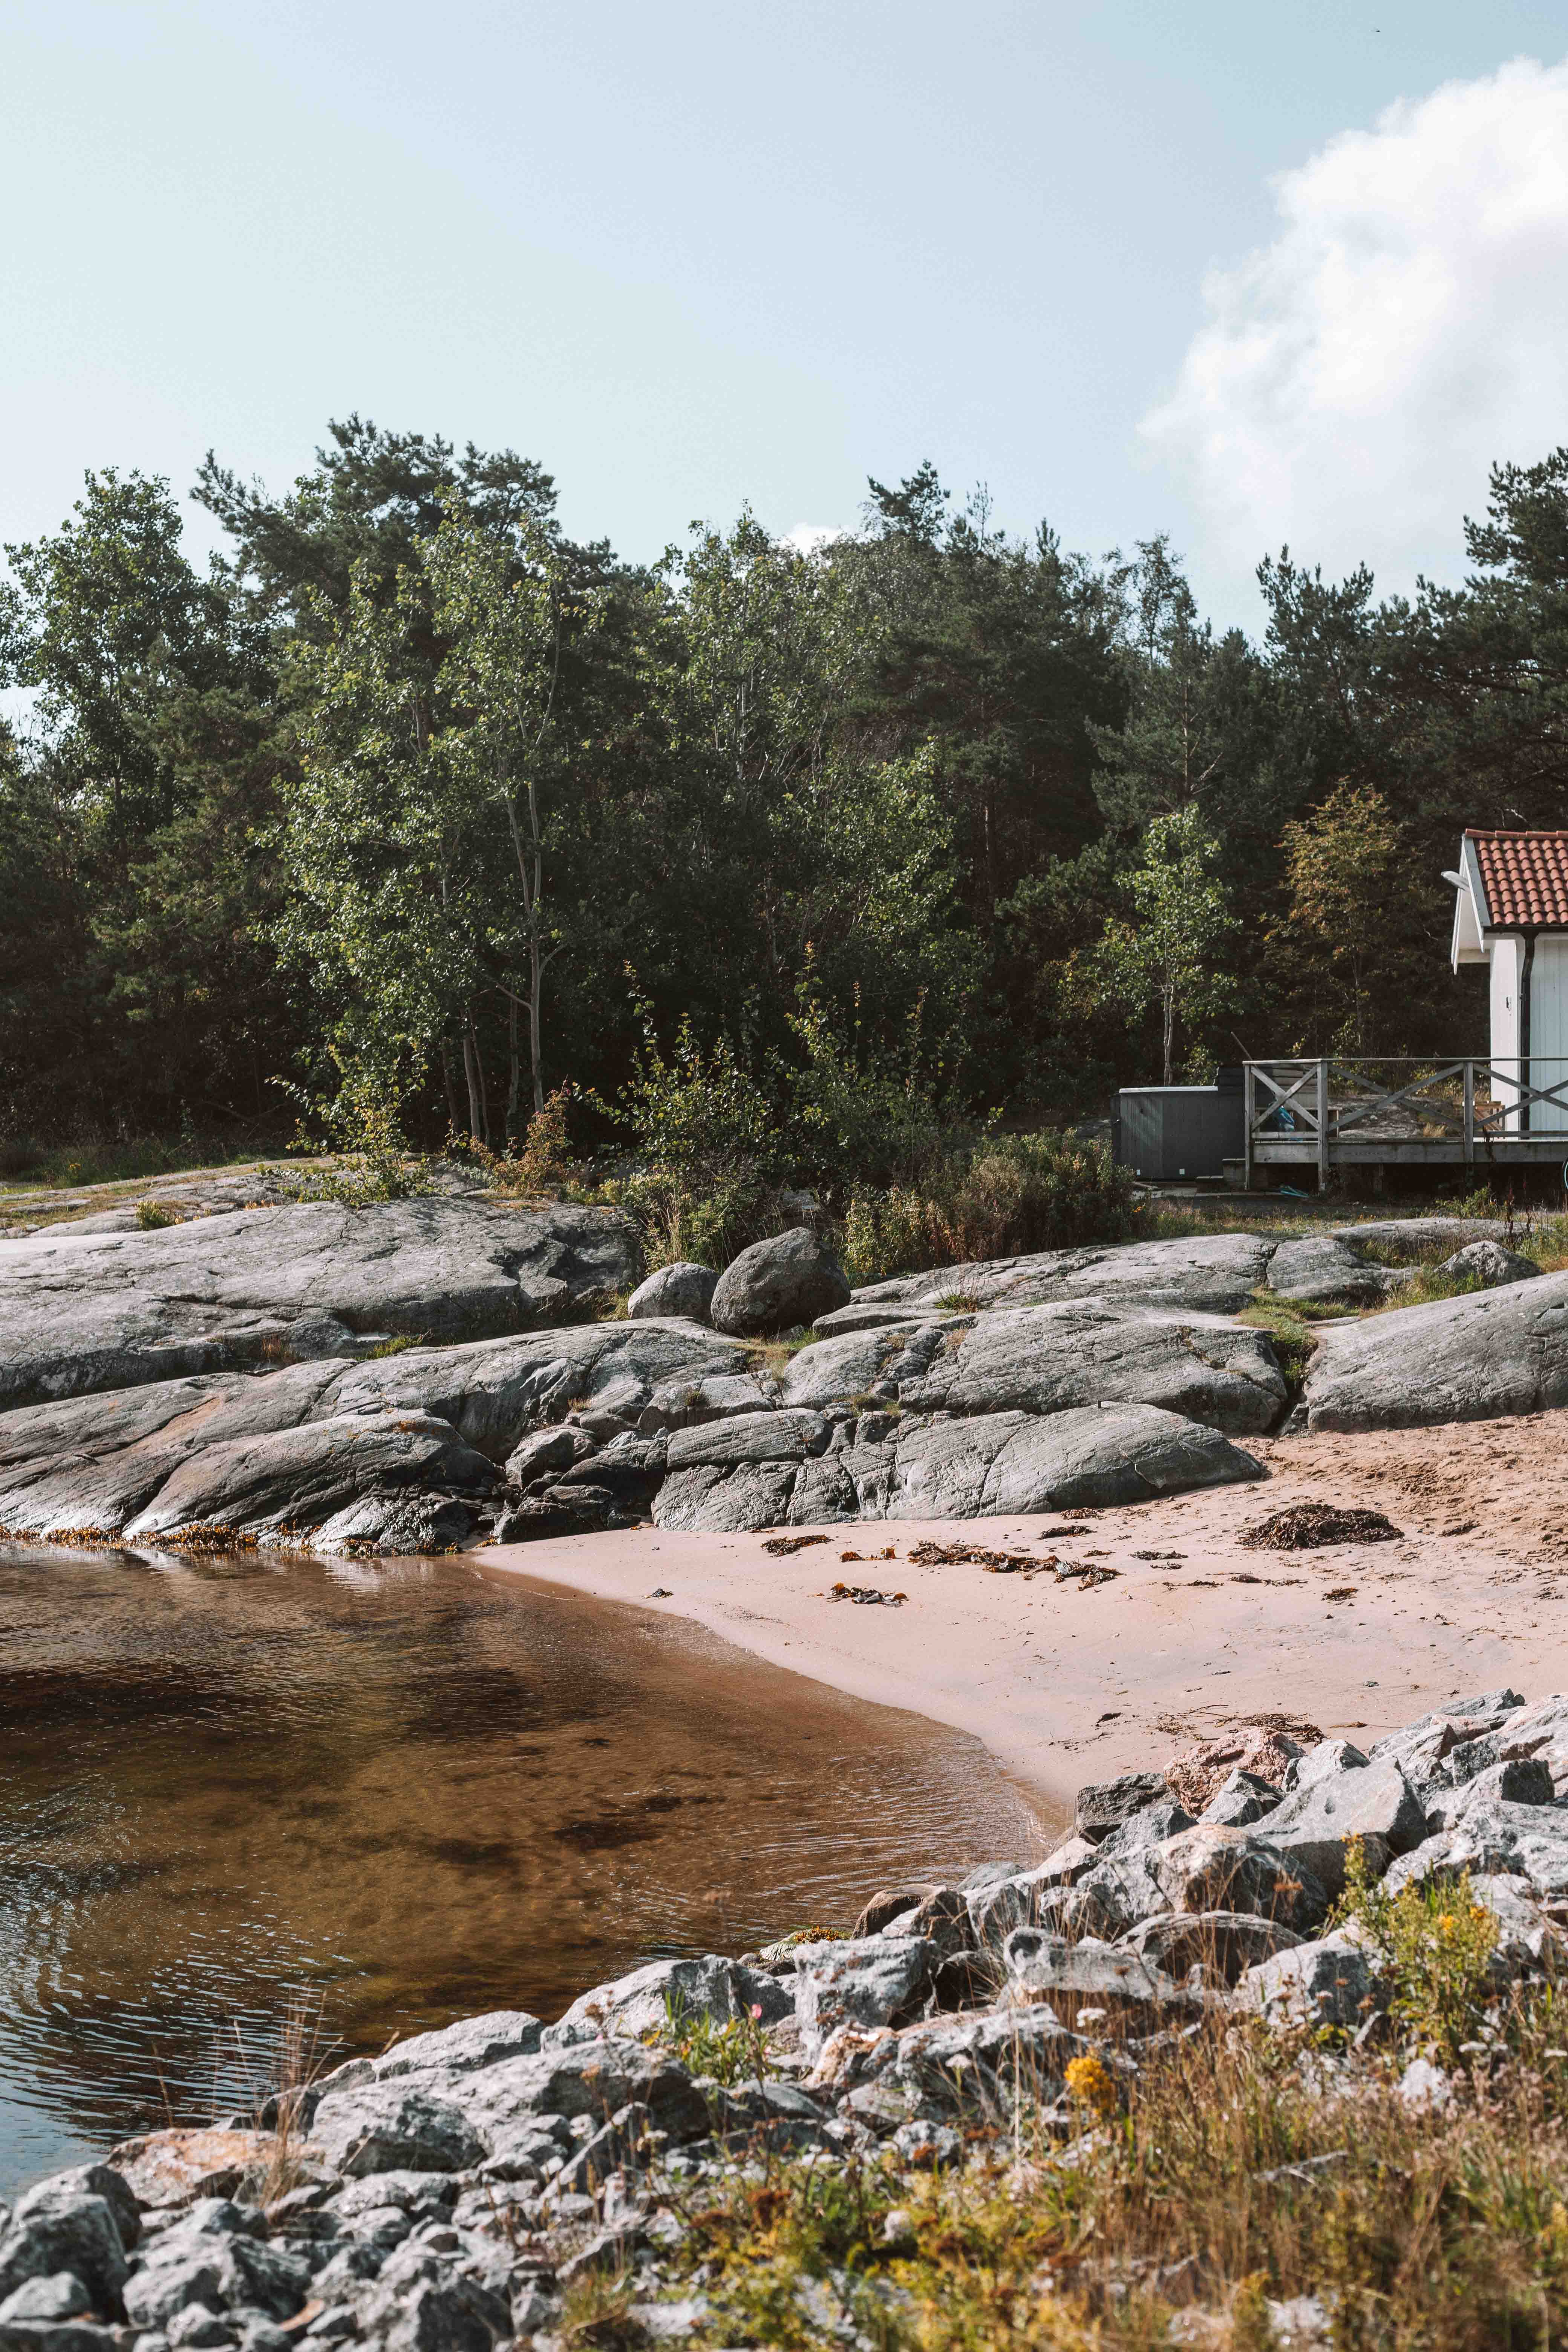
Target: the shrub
pixel 152 1216
pixel 1436 1943
pixel 361 1125
pixel 1008 1197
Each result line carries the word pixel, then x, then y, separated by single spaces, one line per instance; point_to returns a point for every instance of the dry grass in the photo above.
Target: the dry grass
pixel 1240 2166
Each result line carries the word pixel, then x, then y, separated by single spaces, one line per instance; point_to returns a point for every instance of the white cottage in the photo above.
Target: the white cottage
pixel 1510 912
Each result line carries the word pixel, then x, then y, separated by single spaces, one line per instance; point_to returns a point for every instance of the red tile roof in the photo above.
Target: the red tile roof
pixel 1525 876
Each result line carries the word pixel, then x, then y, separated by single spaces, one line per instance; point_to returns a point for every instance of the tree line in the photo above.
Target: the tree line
pixel 409 798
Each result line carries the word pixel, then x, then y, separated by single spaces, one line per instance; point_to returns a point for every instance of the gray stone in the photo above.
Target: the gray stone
pixel 1334 1981
pixel 495 1391
pixel 867 1980
pixel 447 2313
pixel 644 2001
pixel 854 1363
pixel 1325 1268
pixel 1371 1802
pixel 1521 1781
pixel 1151 1827
pixel 1087 1974
pixel 1489 1264
pixel 1044 1359
pixel 590 2078
pixel 1212 1869
pixel 1322 1763
pixel 716 1396
pixel 377 2126
pixel 224 2271
pixel 1104 1805
pixel 57 2228
pixel 686 1289
pixel 545 1450
pixel 865 1315
pixel 84 1312
pixel 891 1903
pixel 1223 1944
pixel 297 1479
pixel 1210 1274
pixel 1001 1463
pixel 1477 1357
pixel 792 1278
pixel 451 2050
pixel 87 2181
pixel 1241 1798
pixel 981 2064
pixel 60 2296
pixel 62 2336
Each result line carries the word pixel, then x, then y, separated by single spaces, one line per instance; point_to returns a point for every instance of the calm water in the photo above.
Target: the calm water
pixel 398 1792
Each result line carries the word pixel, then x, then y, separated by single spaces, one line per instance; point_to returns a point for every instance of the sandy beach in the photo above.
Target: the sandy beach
pixel 1066 1682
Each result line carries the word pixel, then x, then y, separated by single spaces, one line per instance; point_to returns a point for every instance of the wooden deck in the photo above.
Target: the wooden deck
pixel 1343 1112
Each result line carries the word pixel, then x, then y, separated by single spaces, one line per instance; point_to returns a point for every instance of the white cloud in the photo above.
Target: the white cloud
pixel 811 538
pixel 1407 327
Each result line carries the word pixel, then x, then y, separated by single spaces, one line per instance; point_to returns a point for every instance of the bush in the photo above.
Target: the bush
pixel 1009 1196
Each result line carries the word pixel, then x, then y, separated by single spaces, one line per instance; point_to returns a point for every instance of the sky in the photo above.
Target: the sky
pixel 1246 275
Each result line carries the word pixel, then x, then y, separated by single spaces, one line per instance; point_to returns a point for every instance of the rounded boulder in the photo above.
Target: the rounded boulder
pixel 792 1278
pixel 684 1289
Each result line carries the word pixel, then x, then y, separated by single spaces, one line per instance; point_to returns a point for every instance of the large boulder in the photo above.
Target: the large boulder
pixel 774 1284
pixel 788 1467
pixel 1209 1274
pixel 90 1312
pixel 292 1483
pixel 648 2000
pixel 1044 1359
pixel 1488 1265
pixel 685 1289
pixel 1474 1358
pixel 1326 1269
pixel 1334 1981
pixel 1371 1802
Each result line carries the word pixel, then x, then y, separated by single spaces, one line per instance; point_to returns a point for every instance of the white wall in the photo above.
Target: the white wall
pixel 1508 954
pixel 1549 1031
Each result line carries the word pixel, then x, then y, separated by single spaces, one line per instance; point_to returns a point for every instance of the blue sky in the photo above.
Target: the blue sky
pixel 1136 265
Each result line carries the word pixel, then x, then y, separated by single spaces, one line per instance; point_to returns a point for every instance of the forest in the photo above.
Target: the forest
pixel 410 808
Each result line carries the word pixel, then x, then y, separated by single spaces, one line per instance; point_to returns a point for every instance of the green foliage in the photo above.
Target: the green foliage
pixel 933 819
pixel 1289 1323
pixel 731 2050
pixel 152 1216
pixel 1167 955
pixel 1436 1943
pixel 1008 1196
pixel 361 1126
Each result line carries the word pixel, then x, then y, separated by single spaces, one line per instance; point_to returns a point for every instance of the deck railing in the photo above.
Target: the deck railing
pixel 1334 1098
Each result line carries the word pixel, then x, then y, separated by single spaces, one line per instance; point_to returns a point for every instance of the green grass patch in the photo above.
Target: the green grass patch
pixel 1289 1323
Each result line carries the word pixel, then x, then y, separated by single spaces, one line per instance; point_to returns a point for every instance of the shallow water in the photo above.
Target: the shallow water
pixel 390 1794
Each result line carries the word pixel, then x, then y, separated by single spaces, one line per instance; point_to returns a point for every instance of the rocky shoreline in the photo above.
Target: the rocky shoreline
pixel 420 1375
pixel 459 2190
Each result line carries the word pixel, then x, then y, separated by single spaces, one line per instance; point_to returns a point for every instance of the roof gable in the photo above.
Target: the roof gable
pixel 1525 877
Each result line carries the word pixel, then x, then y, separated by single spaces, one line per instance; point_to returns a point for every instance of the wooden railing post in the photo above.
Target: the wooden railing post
pixel 1246 1098
pixel 1470 1112
pixel 1323 1126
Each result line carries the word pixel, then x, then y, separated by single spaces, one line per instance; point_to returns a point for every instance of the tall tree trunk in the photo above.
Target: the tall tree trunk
pixel 471 1072
pixel 484 1091
pixel 535 991
pixel 514 1074
pixel 450 1086
pixel 1168 1008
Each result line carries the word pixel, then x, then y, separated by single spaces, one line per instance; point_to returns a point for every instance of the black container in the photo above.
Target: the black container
pixel 1166 1133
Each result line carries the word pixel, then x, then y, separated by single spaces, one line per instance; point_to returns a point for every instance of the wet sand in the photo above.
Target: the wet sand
pixel 1066 1684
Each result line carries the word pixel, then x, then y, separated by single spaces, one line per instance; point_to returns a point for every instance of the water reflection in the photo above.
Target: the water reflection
pixel 413 1787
